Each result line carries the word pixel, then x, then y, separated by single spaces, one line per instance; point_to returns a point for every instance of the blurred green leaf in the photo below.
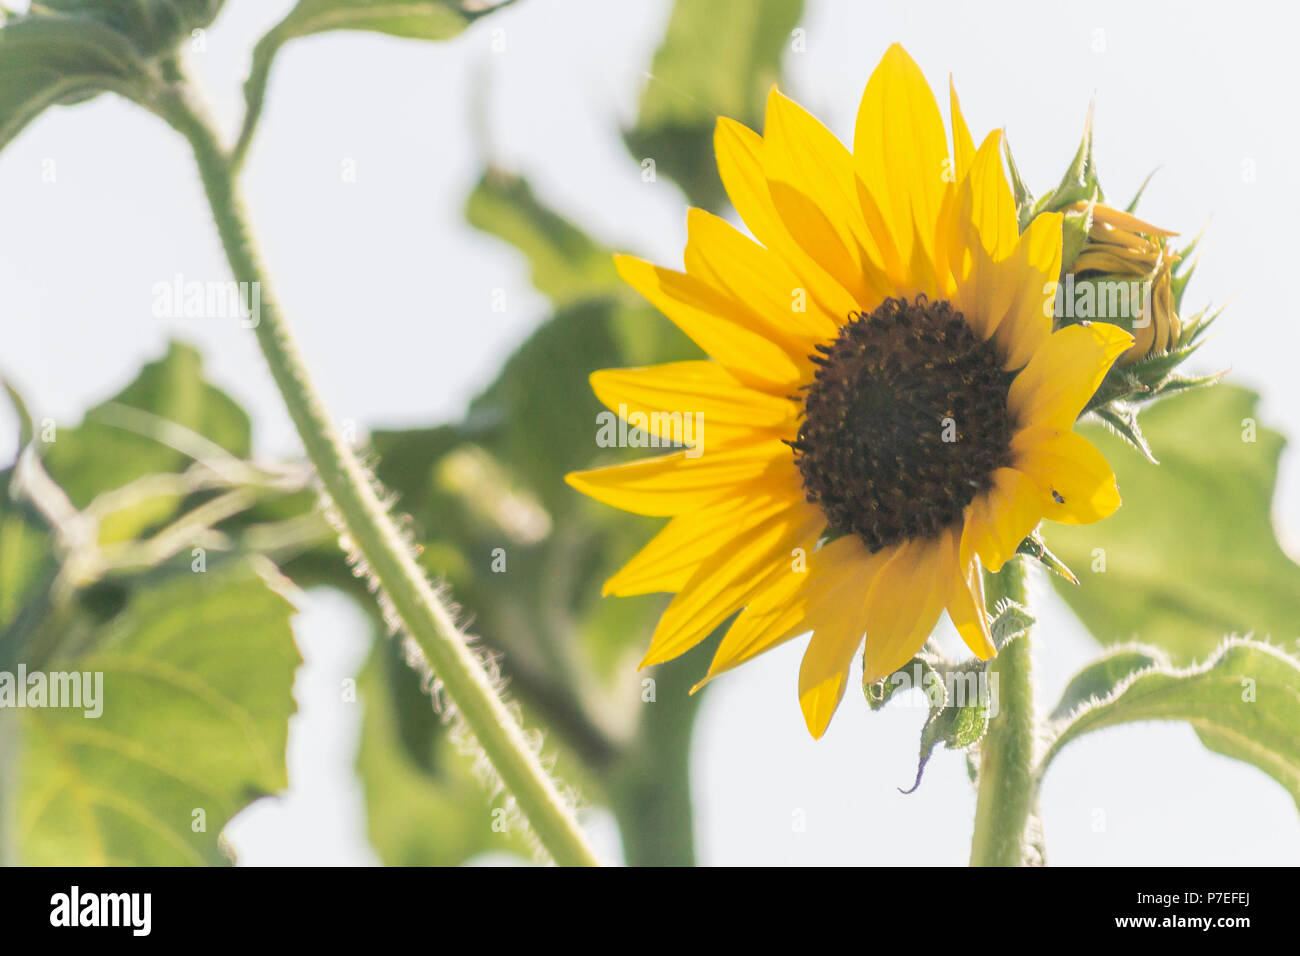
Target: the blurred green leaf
pixel 566 263
pixel 1192 554
pixel 136 432
pixel 701 72
pixel 197 679
pixel 529 553
pixel 102 483
pixel 53 58
pixel 151 25
pixel 1244 702
pixel 412 19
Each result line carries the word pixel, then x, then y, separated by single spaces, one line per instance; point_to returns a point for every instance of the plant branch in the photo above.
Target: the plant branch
pixel 371 530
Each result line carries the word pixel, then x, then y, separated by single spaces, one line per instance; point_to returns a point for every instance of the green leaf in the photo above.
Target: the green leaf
pixel 1244 702
pixel 701 72
pixel 151 25
pixel 1192 554
pixel 566 263
pixel 148 428
pixel 196 696
pixel 51 59
pixel 412 19
pixel 1099 679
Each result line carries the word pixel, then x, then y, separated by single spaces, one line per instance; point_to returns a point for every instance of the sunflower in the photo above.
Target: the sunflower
pixel 887 406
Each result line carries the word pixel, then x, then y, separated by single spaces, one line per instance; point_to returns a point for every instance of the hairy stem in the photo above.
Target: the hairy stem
pixel 1005 799
pixel 421 612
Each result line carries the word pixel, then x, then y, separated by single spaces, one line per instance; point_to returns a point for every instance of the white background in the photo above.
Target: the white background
pixel 389 292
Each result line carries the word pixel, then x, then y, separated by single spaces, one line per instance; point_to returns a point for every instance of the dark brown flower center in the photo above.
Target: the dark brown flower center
pixel 904 424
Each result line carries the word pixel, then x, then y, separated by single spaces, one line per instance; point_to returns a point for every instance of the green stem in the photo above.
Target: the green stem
pixel 1005 800
pixel 423 615
pixel 650 788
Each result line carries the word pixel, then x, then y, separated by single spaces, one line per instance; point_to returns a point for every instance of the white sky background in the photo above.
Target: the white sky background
pixel 389 292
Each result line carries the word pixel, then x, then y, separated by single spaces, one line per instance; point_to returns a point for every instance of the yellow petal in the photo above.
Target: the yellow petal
pixel 1064 374
pixel 712 321
pixel 1075 481
pixel 741 567
pixel 759 279
pixel 963 146
pixel 994 210
pixel 1037 259
pixel 671 484
pixel 803 155
pixel 668 560
pixel 815 234
pixel 904 603
pixel 900 148
pixel 838 617
pixel 999 519
pixel 790 605
pixel 986 228
pixel 740 164
pixel 967 610
pixel 698 399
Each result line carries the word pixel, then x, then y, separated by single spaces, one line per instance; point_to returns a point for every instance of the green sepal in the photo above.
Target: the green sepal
pixel 1122 420
pixel 1074 233
pixel 1033 546
pixel 1080 180
pixel 953 720
pixel 1024 198
pixel 1131 208
pixel 956 727
pixel 1010 621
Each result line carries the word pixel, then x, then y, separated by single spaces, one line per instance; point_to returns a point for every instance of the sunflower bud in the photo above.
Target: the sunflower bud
pixel 1119 269
pixel 1118 245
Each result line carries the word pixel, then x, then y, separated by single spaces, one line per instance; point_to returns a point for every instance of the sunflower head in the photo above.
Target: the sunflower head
pixel 889 406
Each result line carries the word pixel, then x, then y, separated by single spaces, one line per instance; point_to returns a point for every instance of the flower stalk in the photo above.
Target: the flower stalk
pixel 1005 798
pixel 421 612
